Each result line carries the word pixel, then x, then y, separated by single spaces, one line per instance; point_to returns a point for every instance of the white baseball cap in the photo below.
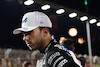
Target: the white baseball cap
pixel 32 20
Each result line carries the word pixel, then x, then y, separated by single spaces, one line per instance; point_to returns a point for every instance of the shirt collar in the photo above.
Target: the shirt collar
pixel 48 46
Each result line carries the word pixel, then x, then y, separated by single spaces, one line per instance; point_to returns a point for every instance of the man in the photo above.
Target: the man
pixel 37 29
pixel 69 44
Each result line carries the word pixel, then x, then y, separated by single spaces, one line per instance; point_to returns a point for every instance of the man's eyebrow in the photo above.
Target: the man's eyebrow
pixel 28 32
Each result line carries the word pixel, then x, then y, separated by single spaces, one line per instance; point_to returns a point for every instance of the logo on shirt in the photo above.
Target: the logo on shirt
pixel 61 47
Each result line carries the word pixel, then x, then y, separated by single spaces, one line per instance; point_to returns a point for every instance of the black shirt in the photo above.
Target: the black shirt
pixel 55 55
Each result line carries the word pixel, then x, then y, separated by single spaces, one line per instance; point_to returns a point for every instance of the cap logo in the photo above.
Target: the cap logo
pixel 25 20
pixel 41 17
pixel 25 28
pixel 41 22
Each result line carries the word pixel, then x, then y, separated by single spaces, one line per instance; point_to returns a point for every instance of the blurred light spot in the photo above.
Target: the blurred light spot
pixel 72 15
pixel 84 18
pixel 61 39
pixel 93 21
pixel 45 7
pixel 81 40
pixel 72 32
pixel 28 2
pixel 60 11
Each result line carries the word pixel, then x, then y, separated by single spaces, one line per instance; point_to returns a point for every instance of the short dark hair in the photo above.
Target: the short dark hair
pixel 68 43
pixel 50 29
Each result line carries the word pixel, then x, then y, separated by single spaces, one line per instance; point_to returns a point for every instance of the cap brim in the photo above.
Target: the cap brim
pixel 25 29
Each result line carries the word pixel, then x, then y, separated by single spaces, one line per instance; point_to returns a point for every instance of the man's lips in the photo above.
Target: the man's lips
pixel 29 45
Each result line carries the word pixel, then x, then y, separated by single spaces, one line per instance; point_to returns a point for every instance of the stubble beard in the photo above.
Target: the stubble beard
pixel 40 44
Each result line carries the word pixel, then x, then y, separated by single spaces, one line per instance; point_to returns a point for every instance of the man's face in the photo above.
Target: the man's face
pixel 33 39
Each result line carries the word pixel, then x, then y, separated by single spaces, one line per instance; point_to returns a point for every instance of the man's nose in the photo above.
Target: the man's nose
pixel 25 37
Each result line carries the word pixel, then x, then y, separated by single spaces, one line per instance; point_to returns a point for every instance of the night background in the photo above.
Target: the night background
pixel 12 11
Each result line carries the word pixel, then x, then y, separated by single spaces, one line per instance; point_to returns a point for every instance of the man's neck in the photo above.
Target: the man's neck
pixel 46 43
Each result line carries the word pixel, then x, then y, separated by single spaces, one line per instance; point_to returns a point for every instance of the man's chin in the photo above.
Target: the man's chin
pixel 31 47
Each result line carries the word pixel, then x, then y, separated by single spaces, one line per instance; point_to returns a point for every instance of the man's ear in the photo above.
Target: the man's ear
pixel 45 32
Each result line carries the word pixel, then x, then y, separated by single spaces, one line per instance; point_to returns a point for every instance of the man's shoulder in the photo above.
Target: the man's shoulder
pixel 57 48
pixel 58 52
pixel 58 56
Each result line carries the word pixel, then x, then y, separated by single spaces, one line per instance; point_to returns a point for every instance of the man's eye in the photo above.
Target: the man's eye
pixel 27 33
